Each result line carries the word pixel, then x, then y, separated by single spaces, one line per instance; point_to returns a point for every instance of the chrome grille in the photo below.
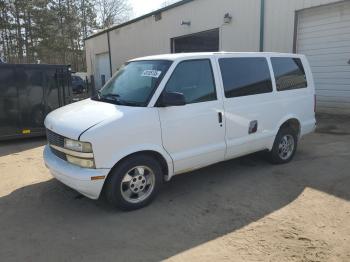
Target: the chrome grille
pixel 59 154
pixel 54 139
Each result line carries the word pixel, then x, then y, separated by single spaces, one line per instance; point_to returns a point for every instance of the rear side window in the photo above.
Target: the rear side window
pixel 245 76
pixel 289 73
pixel 195 80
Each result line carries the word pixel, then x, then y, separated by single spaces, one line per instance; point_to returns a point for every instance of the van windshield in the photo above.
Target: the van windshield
pixel 135 83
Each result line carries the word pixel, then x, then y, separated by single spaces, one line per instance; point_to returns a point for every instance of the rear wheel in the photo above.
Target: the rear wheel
pixel 134 183
pixel 284 147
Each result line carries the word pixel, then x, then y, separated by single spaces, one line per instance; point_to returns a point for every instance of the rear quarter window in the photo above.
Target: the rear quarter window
pixel 289 73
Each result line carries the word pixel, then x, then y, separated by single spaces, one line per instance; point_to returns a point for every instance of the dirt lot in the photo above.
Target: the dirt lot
pixel 241 210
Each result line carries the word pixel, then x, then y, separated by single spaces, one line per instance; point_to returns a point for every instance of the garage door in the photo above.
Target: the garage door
pixel 323 35
pixel 102 70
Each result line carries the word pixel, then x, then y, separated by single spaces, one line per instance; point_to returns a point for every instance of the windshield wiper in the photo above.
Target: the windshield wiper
pixel 97 96
pixel 112 95
pixel 115 98
pixel 129 103
pixel 107 98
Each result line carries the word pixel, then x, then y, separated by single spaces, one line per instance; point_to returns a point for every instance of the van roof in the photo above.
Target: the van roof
pixel 180 56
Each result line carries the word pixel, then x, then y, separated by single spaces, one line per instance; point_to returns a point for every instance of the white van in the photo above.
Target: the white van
pixel 164 115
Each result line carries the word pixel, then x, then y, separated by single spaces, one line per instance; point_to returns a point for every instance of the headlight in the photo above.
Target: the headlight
pixel 86 163
pixel 81 147
pixel 77 146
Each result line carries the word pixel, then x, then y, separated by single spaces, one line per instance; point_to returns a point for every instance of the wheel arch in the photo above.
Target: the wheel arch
pixel 291 122
pixel 164 161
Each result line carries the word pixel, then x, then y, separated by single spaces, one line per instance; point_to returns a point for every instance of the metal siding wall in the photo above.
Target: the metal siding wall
pixel 148 37
pixel 279 21
pixel 95 46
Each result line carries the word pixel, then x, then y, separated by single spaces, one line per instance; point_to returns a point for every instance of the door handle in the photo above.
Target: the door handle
pixel 220 118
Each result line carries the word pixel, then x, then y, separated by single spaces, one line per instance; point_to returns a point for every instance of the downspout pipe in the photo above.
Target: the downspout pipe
pixel 109 54
pixel 262 25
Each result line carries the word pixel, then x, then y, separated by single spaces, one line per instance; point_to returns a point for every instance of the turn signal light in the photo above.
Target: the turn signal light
pixel 93 178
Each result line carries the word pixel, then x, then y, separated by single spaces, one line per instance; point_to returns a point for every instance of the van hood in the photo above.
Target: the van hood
pixel 74 119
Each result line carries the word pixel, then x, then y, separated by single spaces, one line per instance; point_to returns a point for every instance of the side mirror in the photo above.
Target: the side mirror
pixel 168 99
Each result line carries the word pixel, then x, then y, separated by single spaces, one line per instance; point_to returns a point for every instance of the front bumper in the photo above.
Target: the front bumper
pixel 75 177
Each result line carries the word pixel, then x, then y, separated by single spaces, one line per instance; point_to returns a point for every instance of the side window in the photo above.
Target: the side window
pixel 245 76
pixel 289 73
pixel 195 80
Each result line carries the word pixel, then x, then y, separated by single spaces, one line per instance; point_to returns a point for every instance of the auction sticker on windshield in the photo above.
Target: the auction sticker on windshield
pixel 152 73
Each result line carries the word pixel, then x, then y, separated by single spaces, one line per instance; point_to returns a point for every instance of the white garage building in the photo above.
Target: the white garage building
pixel 318 28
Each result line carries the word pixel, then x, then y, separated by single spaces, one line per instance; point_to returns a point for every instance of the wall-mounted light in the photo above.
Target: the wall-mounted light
pixel 227 18
pixel 157 17
pixel 188 23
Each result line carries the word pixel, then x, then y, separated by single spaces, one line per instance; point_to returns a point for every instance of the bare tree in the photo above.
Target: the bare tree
pixel 53 31
pixel 112 12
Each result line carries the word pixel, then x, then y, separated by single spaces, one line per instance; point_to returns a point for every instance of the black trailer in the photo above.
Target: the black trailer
pixel 27 94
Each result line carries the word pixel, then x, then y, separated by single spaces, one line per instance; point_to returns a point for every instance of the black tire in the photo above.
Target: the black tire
pixel 113 187
pixel 275 154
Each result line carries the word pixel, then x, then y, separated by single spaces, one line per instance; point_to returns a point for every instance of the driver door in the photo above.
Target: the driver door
pixel 194 134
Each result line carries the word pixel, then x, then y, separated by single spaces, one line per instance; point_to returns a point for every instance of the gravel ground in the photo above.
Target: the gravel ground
pixel 240 210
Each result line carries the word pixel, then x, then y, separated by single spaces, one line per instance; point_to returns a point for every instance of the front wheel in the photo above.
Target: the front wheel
pixel 284 147
pixel 134 183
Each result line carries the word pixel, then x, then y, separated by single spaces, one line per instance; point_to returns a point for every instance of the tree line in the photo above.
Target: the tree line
pixel 53 31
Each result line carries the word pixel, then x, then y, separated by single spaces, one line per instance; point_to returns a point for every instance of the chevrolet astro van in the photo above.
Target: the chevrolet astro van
pixel 165 115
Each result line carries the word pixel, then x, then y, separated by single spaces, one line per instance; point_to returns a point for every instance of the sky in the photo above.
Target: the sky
pixel 141 7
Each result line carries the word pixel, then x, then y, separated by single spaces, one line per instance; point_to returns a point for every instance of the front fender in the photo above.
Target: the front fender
pixel 135 131
pixel 121 154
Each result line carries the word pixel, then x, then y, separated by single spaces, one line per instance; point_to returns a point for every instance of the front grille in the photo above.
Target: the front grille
pixel 54 139
pixel 59 154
